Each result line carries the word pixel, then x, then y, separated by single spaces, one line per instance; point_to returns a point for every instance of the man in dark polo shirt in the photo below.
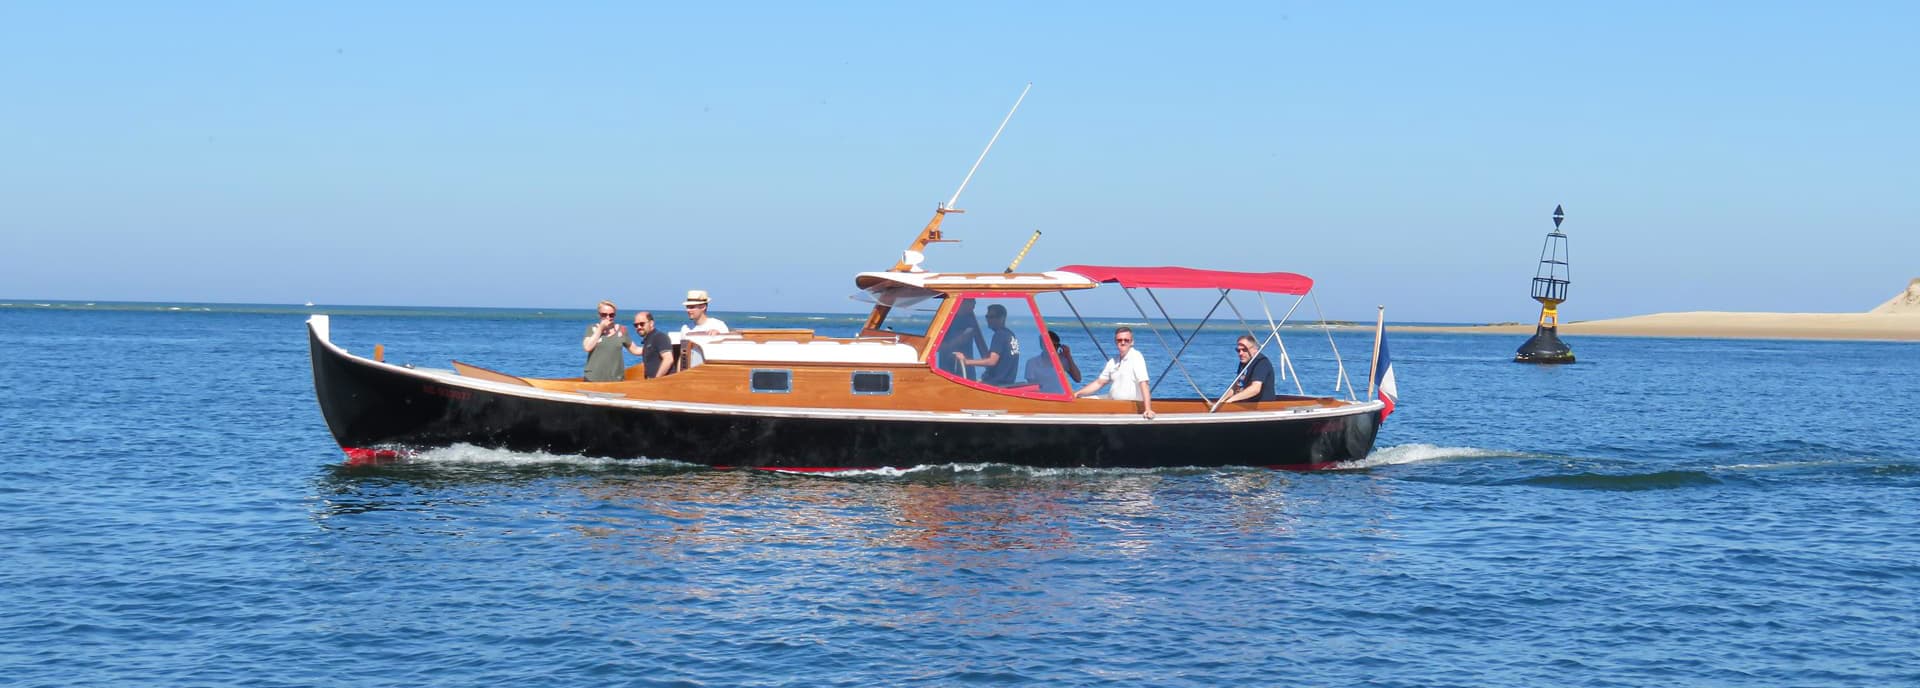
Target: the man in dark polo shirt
pixel 655 349
pixel 1002 361
pixel 1254 379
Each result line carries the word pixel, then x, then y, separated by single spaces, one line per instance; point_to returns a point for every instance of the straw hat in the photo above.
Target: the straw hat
pixel 696 297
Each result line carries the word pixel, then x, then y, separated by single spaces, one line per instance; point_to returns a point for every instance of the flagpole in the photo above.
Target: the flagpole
pixel 1373 370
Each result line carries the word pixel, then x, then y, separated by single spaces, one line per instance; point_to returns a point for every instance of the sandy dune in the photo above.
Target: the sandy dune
pixel 1898 319
pixel 1906 302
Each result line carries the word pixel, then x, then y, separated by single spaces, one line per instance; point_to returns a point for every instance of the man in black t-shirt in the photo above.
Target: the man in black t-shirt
pixel 656 348
pixel 1253 381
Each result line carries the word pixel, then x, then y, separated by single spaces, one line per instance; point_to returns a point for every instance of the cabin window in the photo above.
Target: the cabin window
pixel 772 381
pixel 997 341
pixel 872 382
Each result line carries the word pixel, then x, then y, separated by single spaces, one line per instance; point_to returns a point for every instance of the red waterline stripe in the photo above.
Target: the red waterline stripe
pixel 362 456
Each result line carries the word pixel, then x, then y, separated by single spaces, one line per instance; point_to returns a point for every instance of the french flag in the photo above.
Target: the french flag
pixel 1383 373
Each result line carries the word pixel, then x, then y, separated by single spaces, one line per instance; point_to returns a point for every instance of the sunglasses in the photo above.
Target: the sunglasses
pixel 606 315
pixel 1241 348
pixel 1118 340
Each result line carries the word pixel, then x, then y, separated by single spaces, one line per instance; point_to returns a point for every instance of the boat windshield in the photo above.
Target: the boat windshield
pixel 998 342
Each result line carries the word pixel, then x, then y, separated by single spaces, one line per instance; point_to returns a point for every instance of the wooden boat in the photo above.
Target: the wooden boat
pixel 797 400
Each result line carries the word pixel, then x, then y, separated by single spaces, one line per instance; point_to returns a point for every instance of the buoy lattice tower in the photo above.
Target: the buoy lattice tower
pixel 1550 283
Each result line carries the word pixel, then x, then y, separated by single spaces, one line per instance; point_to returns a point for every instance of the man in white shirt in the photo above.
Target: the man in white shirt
pixel 1128 373
pixel 697 312
pixel 696 304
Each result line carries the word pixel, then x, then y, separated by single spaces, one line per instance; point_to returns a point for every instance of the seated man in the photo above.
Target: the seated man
pixel 1002 361
pixel 1128 373
pixel 1040 372
pixel 1254 379
pixel 1040 369
pixel 1066 356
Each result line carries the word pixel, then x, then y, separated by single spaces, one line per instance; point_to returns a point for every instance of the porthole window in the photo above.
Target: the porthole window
pixel 872 382
pixel 772 381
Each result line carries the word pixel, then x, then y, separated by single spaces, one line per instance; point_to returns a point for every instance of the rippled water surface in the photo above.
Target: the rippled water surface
pixel 1666 512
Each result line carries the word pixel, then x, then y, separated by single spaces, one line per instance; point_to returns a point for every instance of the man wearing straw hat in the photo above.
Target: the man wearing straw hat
pixel 696 304
pixel 697 312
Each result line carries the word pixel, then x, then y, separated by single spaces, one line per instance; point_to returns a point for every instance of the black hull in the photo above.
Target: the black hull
pixel 375 405
pixel 1544 347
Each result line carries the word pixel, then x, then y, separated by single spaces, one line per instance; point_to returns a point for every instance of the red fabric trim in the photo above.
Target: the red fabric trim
pixel 1189 278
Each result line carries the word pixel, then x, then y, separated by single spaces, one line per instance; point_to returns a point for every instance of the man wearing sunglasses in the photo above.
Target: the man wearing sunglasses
pixel 655 349
pixel 604 341
pixel 1127 373
pixel 700 323
pixel 1254 380
pixel 1001 363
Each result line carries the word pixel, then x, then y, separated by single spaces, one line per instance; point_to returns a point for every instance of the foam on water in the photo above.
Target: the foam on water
pixel 883 472
pixel 467 454
pixel 1415 453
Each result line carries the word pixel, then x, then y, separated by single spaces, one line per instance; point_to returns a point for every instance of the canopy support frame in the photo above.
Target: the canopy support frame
pixel 1163 339
pixel 1188 340
pixel 1083 325
pixel 1340 377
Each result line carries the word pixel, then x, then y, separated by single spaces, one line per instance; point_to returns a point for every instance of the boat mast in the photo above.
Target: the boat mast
pixel 916 251
pixel 931 234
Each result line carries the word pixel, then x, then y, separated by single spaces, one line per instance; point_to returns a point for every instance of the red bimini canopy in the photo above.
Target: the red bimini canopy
pixel 1189 278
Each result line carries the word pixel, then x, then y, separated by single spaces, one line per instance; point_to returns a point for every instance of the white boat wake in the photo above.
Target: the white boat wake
pixel 470 455
pixel 1416 453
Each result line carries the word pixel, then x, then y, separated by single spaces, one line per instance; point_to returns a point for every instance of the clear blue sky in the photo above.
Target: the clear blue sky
pixel 1752 156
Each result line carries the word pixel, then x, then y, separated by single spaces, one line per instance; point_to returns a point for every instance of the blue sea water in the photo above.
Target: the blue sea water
pixel 1665 512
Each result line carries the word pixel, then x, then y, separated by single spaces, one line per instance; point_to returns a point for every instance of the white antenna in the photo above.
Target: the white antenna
pixel 983 153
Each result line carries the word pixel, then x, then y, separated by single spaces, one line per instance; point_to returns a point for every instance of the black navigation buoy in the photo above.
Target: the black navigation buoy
pixel 1550 289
